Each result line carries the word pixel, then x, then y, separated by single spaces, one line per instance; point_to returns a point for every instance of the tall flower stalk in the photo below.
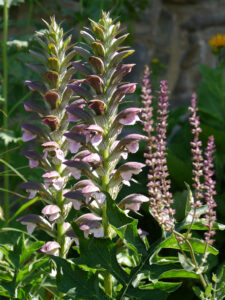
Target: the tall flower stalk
pixel 87 129
pixel 99 123
pixel 55 71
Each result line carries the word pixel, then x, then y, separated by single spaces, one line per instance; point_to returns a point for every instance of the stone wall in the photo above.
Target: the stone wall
pixel 174 31
pixel 177 33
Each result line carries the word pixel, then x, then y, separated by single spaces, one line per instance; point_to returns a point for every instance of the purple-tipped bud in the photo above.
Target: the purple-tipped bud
pixel 31 132
pixel 51 121
pixel 35 86
pixel 97 106
pixel 81 68
pixel 121 71
pixel 96 83
pixel 76 167
pixel 52 78
pixel 33 156
pixel 33 107
pixel 32 187
pixel 79 90
pixel 32 221
pixel 97 64
pixel 52 98
pixel 79 113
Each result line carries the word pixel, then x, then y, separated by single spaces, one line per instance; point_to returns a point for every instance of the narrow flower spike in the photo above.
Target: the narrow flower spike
pixel 197 159
pixel 209 186
pixel 158 182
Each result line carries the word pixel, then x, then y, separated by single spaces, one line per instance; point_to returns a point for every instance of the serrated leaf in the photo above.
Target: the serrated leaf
pixel 101 254
pixel 8 137
pixel 77 283
pixel 29 250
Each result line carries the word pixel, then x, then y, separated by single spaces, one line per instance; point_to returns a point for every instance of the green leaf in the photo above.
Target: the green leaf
pixel 200 226
pixel 155 271
pixel 168 287
pixel 185 264
pixel 101 254
pixel 9 138
pixel 211 98
pixel 197 291
pixel 197 245
pixel 208 290
pixel 142 294
pixel 77 283
pixel 178 274
pixel 125 227
pixel 29 250
pixel 14 255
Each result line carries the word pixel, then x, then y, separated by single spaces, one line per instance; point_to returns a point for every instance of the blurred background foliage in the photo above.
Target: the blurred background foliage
pixel 211 102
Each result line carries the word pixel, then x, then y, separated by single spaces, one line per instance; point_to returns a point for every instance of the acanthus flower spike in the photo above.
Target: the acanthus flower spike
pixel 56 72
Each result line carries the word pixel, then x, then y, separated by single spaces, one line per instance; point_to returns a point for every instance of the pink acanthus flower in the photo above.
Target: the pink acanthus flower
pixel 52 248
pixel 53 149
pixel 95 133
pixel 128 169
pixel 209 186
pixel 89 224
pixel 53 211
pixel 53 179
pixel 129 116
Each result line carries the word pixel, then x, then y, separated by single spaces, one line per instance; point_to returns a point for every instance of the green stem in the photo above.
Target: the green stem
pixel 5 106
pixel 105 222
pixel 201 277
pixel 60 226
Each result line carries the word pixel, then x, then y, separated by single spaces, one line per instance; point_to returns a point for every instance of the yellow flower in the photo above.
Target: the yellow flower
pixel 217 41
pixel 155 60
